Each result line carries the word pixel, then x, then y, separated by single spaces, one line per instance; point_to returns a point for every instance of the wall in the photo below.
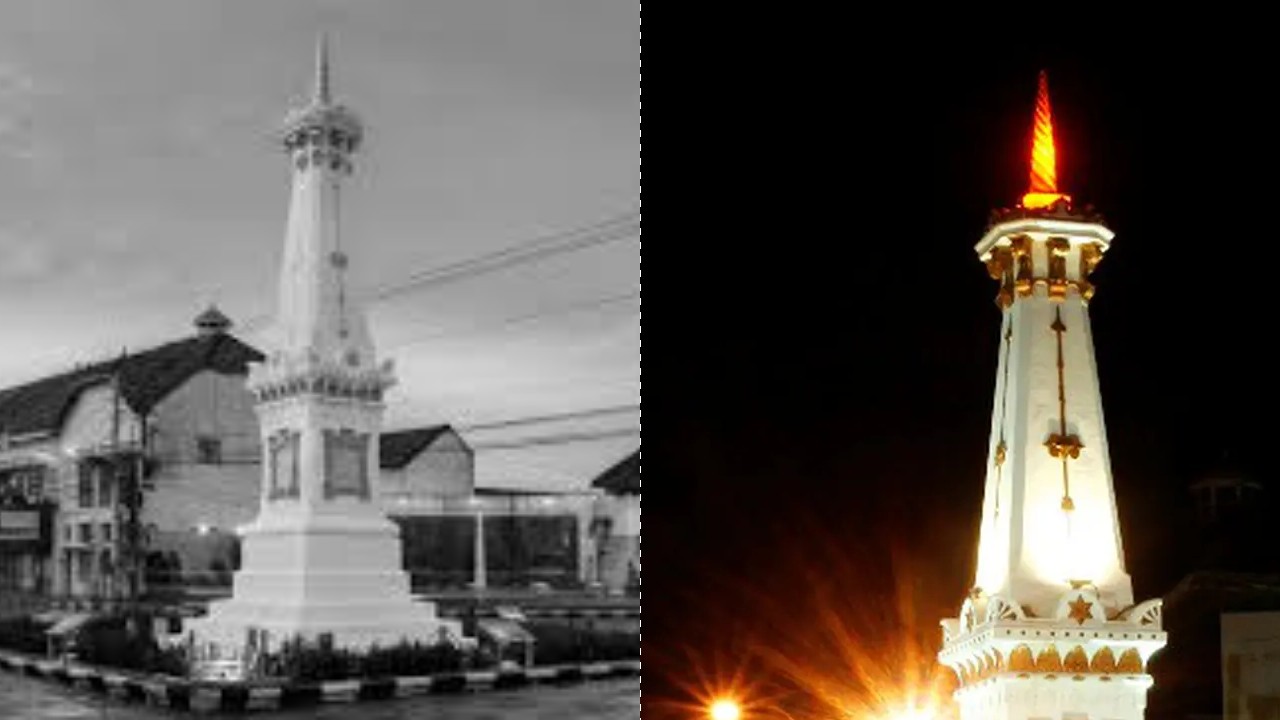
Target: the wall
pixel 620 549
pixel 194 508
pixel 1251 666
pixel 445 468
pixel 189 496
pixel 91 422
pixel 207 405
pixel 95 422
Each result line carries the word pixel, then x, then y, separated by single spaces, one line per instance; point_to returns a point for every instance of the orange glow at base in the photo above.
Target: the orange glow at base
pixel 1043 192
pixel 913 715
pixel 725 710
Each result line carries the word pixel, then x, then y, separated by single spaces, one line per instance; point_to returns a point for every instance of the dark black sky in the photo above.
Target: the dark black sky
pixel 826 350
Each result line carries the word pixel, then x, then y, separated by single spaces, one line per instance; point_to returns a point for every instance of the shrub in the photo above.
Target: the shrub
pixel 560 644
pixel 23 634
pixel 410 659
pixel 109 640
pixel 302 661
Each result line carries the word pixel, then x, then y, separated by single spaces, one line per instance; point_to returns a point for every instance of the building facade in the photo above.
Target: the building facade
pixel 1251 666
pixel 617 526
pixel 123 455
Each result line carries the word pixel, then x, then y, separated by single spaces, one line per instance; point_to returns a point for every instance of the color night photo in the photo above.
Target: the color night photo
pixel 968 417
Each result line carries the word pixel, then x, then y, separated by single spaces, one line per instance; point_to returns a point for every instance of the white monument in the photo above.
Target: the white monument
pixel 321 557
pixel 1050 629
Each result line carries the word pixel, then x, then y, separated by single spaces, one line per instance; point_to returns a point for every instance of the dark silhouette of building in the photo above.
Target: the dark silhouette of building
pixel 1231 563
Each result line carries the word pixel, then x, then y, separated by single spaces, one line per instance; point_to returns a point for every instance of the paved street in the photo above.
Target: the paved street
pixel 26 699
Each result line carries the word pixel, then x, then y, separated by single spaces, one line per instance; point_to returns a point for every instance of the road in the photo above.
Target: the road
pixel 24 698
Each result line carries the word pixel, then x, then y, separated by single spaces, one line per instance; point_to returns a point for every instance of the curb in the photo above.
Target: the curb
pixel 184 695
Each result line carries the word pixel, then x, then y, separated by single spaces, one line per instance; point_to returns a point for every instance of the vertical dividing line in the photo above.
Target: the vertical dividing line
pixel 1002 448
pixel 1059 329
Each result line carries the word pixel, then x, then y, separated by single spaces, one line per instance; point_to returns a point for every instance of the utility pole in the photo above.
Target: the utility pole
pixel 126 467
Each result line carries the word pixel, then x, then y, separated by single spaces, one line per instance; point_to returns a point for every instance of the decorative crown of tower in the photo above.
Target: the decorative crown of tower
pixel 323 131
pixel 1045 240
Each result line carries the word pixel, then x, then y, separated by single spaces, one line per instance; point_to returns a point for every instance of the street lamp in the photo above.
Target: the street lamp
pixel 724 709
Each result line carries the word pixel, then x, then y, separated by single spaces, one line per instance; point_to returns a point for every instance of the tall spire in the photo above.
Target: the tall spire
pixel 315 315
pixel 1043 190
pixel 1051 597
pixel 322 95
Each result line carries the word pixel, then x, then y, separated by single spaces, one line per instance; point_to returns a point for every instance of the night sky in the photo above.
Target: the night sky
pixel 827 344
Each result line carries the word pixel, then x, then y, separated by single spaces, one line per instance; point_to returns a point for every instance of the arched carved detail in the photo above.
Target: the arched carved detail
pixel 1024 274
pixel 1104 661
pixel 1130 662
pixel 998 661
pixel 1148 614
pixel 968 616
pixel 999 608
pixel 1021 660
pixel 1076 661
pixel 1049 660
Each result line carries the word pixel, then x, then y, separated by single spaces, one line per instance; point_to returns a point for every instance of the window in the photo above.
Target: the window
pixel 209 450
pixel 35 484
pixel 106 532
pixel 23 484
pixel 103 474
pixel 346 455
pixel 86 533
pixel 86 485
pixel 284 465
pixel 84 567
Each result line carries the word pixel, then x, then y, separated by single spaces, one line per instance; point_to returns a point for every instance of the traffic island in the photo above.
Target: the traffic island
pixel 212 697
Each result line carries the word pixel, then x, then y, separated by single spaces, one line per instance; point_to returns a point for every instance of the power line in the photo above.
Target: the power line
pixel 571 308
pixel 555 417
pixel 561 439
pixel 621 227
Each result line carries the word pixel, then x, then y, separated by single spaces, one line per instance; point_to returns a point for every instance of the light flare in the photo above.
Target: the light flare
pixel 1043 191
pixel 865 657
pixel 725 710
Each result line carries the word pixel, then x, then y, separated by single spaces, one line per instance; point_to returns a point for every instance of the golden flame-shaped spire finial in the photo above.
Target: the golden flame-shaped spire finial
pixel 1044 154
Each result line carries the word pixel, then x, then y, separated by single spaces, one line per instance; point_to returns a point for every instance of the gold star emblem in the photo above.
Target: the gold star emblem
pixel 1081 610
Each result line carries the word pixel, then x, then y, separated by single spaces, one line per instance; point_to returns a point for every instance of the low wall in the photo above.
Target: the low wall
pixel 186 695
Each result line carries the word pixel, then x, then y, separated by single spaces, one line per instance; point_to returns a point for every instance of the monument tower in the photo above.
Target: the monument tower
pixel 321 558
pixel 1050 629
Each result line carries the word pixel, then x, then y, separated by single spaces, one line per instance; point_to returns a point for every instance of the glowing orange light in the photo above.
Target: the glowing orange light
pixel 925 714
pixel 1044 155
pixel 725 710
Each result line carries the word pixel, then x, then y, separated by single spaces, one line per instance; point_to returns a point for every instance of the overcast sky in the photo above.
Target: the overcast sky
pixel 140 181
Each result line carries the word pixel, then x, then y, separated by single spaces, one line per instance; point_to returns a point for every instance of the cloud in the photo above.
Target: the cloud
pixel 25 261
pixel 20 138
pixel 17 93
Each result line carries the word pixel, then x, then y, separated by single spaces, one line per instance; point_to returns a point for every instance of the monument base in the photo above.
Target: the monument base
pixel 1085 660
pixel 311 575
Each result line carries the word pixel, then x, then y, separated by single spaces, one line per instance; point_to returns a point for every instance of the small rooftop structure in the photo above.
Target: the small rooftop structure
pixel 621 479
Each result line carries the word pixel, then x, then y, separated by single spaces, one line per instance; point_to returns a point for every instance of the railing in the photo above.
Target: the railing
pixel 408 503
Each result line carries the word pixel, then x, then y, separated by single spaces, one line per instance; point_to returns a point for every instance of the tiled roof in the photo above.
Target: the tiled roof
pixel 146 378
pixel 623 478
pixel 397 449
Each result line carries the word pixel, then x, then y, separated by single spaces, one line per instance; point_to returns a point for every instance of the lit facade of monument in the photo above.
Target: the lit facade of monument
pixel 1050 629
pixel 321 558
